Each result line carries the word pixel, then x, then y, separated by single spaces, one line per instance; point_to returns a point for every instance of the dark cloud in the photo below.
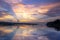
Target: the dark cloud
pixel 2 13
pixel 39 1
pixel 6 6
pixel 54 11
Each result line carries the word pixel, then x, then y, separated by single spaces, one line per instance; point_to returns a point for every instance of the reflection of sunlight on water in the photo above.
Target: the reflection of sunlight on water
pixel 25 30
pixel 21 31
pixel 7 29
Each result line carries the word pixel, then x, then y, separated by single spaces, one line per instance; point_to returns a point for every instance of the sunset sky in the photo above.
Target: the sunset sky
pixel 29 10
pixel 38 11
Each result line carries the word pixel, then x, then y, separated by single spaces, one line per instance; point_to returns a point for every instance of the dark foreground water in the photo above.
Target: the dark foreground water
pixel 26 32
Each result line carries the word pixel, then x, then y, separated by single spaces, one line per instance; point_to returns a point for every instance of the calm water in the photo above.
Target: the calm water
pixel 26 32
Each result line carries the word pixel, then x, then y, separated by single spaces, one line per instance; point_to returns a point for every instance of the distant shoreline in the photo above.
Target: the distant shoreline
pixel 13 23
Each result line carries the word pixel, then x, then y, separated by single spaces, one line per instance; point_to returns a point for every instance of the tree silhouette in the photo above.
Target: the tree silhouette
pixel 55 24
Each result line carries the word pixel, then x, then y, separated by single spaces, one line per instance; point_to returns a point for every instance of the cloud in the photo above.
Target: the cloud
pixel 34 12
pixel 37 2
pixel 54 11
pixel 7 7
pixel 13 1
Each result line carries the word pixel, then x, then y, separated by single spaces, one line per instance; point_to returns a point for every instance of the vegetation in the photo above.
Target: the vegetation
pixel 55 24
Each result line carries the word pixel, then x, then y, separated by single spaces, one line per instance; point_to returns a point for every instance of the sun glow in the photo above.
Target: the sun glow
pixel 24 12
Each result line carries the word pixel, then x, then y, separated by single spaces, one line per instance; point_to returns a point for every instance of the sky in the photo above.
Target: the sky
pixel 31 11
pixel 35 9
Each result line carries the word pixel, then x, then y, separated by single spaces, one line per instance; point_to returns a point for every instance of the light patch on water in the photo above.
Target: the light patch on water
pixel 25 31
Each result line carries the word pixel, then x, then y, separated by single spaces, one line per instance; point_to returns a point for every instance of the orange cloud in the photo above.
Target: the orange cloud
pixel 25 12
pixel 8 18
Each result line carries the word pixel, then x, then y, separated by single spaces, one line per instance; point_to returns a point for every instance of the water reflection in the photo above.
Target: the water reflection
pixel 24 32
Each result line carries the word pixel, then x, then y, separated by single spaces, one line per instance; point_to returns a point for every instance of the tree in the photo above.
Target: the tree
pixel 55 24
